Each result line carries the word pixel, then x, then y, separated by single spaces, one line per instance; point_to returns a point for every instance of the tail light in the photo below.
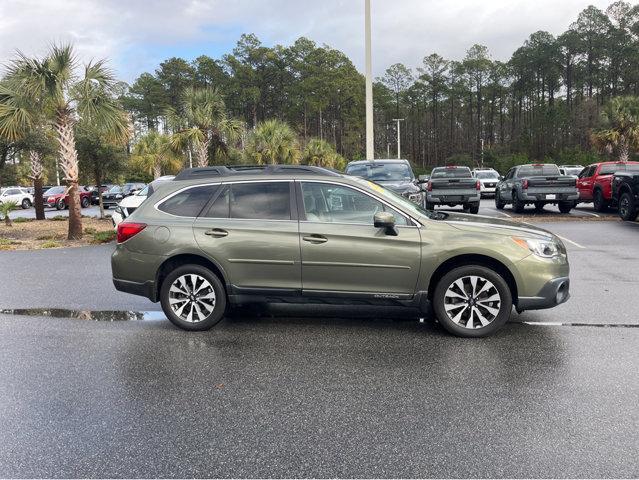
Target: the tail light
pixel 429 186
pixel 478 185
pixel 129 230
pixel 524 184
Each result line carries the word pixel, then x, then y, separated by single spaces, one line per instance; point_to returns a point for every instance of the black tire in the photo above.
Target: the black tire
pixel 539 206
pixel 84 202
pixel 217 287
pixel 565 207
pixel 499 203
pixel 518 205
pixel 456 328
pixel 430 206
pixel 106 207
pixel 26 203
pixel 628 210
pixel 599 203
pixel 474 208
pixel 60 205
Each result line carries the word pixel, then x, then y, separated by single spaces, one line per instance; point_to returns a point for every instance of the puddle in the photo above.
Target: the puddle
pixel 97 315
pixel 579 324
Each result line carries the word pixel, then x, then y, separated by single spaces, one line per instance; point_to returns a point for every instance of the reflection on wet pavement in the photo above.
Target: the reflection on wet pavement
pixel 97 315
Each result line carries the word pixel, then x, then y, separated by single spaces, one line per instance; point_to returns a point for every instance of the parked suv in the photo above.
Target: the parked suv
pixel 537 184
pixel 488 179
pixel 305 234
pixel 20 196
pixel 58 197
pixel 396 175
pixel 595 182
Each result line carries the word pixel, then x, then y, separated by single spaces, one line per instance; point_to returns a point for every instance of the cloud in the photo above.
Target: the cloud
pixel 136 35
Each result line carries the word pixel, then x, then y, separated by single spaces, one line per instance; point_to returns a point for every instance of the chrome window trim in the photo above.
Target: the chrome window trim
pixel 416 223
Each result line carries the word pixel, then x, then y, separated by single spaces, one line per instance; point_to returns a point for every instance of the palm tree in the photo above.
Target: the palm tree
pixel 21 121
pixel 272 142
pixel 620 128
pixel 51 84
pixel 154 154
pixel 202 120
pixel 321 153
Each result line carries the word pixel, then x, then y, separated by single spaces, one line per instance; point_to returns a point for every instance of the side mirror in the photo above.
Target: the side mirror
pixel 385 220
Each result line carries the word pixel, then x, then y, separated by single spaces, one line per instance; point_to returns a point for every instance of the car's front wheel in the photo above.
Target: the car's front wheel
pixel 84 202
pixel 26 203
pixel 193 297
pixel 499 203
pixel 60 205
pixel 472 301
pixel 599 202
pixel 628 207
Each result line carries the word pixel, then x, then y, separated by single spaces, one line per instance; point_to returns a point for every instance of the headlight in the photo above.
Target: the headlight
pixel 541 248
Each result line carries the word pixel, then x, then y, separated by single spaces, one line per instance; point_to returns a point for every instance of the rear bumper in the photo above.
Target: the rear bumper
pixel 553 293
pixel 143 289
pixel 452 199
pixel 542 197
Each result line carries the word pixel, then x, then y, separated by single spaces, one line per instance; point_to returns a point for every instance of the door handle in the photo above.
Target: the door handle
pixel 216 233
pixel 315 239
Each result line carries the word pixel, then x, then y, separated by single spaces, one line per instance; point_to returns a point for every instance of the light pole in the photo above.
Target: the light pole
pixel 370 139
pixel 399 144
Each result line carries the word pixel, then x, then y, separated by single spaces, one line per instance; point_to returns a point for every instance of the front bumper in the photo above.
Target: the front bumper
pixel 553 293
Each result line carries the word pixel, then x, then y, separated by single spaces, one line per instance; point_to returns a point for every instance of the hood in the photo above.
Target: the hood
pixel 499 226
pixel 399 186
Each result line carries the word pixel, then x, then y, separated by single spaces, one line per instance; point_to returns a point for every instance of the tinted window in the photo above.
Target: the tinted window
pixel 451 172
pixel 54 191
pixel 324 202
pixel 380 172
pixel 618 167
pixel 220 207
pixel 486 175
pixel 188 203
pixel 538 170
pixel 269 201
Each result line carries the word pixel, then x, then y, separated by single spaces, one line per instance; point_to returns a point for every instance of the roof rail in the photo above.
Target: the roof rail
pixel 230 170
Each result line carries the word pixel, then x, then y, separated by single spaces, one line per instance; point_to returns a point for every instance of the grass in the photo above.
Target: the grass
pixel 90 231
pixel 59 218
pixel 22 220
pixel 104 237
pixel 7 242
pixel 50 244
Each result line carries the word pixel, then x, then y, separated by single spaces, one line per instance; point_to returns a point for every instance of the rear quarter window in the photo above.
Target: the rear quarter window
pixel 189 202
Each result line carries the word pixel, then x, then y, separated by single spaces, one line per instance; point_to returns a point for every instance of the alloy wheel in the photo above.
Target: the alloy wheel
pixel 192 298
pixel 472 302
pixel 624 206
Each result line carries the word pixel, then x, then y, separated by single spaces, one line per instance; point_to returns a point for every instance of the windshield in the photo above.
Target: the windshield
pixel 55 191
pixel 451 172
pixel 144 192
pixel 573 170
pixel 382 172
pixel 406 204
pixel 542 170
pixel 487 174
pixel 115 189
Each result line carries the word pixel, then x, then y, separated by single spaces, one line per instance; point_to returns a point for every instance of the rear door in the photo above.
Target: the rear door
pixel 250 228
pixel 344 254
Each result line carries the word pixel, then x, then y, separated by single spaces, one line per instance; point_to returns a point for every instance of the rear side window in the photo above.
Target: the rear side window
pixel 188 203
pixel 268 201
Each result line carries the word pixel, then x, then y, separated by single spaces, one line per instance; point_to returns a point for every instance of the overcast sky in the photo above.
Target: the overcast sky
pixel 136 35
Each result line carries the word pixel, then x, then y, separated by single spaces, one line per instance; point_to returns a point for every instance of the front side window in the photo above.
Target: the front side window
pixel 329 203
pixel 189 202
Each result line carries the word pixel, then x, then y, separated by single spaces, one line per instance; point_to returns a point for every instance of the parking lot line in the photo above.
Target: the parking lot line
pixel 570 241
pixel 502 213
pixel 587 213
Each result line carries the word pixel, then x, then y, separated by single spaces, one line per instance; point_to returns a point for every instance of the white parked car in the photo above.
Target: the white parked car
pixel 19 195
pixel 128 204
pixel 488 179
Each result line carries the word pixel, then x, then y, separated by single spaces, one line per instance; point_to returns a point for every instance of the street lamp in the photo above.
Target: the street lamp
pixel 399 145
pixel 370 140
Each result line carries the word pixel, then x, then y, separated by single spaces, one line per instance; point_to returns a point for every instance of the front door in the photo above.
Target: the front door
pixel 343 253
pixel 251 230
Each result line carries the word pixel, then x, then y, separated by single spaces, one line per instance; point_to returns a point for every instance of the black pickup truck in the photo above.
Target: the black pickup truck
pixel 453 186
pixel 625 195
pixel 537 184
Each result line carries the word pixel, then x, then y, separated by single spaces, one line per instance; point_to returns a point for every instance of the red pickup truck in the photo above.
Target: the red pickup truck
pixel 595 182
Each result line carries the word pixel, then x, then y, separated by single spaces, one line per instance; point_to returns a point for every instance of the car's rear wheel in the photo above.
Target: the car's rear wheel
pixel 628 207
pixel 565 207
pixel 598 201
pixel 60 205
pixel 26 203
pixel 474 208
pixel 539 206
pixel 518 205
pixel 193 297
pixel 499 203
pixel 472 301
pixel 84 202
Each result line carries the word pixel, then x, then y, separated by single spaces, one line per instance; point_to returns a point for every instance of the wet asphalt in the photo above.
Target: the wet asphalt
pixel 321 392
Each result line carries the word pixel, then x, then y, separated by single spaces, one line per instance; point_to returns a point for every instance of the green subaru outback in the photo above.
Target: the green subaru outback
pixel 218 237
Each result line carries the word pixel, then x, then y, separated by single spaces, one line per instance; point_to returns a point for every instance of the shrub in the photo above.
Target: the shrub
pixel 22 220
pixel 104 237
pixel 50 244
